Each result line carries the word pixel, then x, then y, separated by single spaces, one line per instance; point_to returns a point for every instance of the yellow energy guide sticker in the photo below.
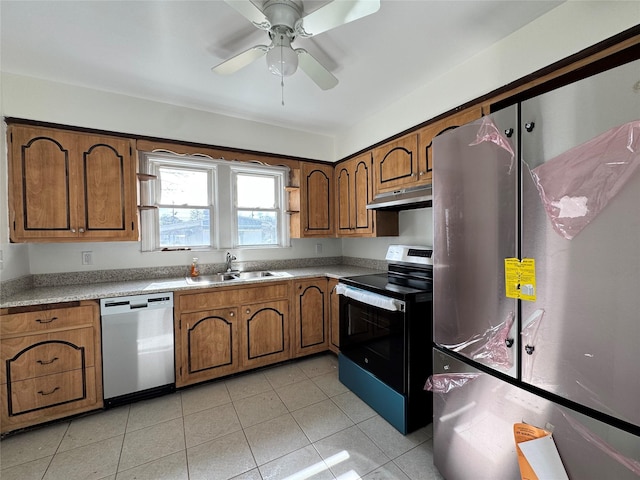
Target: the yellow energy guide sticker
pixel 520 278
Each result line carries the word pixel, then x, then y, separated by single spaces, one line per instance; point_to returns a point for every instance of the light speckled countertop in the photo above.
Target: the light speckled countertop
pixel 93 291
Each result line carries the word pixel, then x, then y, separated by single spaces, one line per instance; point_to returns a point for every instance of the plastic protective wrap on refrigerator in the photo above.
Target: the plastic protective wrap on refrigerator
pixel 576 185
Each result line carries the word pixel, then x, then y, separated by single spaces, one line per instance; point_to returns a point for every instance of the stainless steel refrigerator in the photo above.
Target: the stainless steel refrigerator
pixel 537 282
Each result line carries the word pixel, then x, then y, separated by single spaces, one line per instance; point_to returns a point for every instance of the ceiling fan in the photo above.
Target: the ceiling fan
pixel 283 20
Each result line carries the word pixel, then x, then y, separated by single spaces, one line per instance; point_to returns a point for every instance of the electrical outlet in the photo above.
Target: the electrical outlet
pixel 1 260
pixel 87 258
pixel 318 248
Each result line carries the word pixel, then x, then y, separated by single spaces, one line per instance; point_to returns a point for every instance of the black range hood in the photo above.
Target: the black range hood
pixel 405 199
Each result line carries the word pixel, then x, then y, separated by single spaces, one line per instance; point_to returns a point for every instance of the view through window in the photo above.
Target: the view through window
pixel 208 204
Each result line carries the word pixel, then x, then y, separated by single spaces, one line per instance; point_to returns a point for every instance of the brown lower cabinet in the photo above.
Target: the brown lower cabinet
pixel 225 330
pixel 51 366
pixel 311 307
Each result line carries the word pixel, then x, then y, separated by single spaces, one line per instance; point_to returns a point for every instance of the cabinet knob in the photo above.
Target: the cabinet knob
pixel 248 311
pixel 231 314
pixel 73 230
pixel 413 174
pixel 421 173
pixel 81 230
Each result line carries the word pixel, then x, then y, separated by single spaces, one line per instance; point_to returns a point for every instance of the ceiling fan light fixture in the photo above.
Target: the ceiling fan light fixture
pixel 282 60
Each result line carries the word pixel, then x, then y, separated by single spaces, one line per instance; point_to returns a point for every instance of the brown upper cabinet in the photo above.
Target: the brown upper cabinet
pixel 311 202
pixel 354 189
pixel 70 186
pixel 428 133
pixel 396 164
pixel 408 161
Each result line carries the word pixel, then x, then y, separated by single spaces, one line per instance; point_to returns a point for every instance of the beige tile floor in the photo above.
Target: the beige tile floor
pixel 294 421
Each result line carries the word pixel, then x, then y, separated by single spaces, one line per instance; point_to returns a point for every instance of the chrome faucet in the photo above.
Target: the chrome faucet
pixel 230 258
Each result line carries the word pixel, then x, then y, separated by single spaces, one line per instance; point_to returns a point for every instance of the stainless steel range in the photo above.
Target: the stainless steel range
pixel 385 333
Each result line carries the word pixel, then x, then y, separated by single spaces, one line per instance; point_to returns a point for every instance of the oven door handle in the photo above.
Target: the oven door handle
pixel 370 298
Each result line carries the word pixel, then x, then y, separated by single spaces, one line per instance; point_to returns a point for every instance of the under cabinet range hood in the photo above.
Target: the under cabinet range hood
pixel 405 199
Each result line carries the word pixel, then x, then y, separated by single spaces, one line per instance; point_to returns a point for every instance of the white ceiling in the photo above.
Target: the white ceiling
pixel 164 51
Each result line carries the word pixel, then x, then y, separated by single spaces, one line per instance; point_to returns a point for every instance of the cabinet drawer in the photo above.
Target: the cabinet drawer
pixel 48 391
pixel 264 293
pixel 219 298
pixel 43 320
pixel 38 355
pixel 209 299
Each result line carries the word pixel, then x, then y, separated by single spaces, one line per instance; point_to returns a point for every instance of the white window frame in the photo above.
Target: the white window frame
pixel 279 175
pixel 223 209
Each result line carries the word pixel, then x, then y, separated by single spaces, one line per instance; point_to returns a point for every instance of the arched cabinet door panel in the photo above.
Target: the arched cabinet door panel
pixel 264 331
pixel 311 316
pixel 316 200
pixel 209 344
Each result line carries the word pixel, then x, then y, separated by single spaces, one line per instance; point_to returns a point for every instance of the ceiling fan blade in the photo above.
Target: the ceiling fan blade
pixel 241 60
pixel 252 13
pixel 320 75
pixel 335 14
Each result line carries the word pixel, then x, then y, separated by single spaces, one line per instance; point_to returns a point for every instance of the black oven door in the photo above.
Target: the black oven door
pixel 375 339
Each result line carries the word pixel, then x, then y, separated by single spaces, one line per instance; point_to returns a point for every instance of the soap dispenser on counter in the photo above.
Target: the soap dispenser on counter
pixel 195 270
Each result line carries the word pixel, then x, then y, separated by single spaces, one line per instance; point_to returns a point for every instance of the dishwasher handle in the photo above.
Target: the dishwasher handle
pixel 114 306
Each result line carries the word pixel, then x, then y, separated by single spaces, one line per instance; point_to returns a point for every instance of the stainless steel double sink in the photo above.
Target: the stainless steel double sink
pixel 230 276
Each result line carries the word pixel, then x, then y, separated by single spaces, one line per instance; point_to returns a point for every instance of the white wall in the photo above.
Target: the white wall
pixel 564 31
pixel 416 228
pixel 67 257
pixel 35 99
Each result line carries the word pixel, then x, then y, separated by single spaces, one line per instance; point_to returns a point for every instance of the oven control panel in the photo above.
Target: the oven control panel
pixel 410 254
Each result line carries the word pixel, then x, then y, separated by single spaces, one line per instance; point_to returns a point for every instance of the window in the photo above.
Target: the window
pixel 201 203
pixel 257 209
pixel 185 207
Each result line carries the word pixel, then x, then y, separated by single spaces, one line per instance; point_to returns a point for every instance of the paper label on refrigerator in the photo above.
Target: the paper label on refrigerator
pixel 520 278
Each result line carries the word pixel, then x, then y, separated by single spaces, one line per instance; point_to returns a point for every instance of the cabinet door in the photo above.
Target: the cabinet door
pixel 396 164
pixel 334 316
pixel 42 193
pixel 428 133
pixel 362 218
pixel 264 331
pixel 344 189
pixel 311 316
pixel 107 206
pixel 316 200
pixel 209 345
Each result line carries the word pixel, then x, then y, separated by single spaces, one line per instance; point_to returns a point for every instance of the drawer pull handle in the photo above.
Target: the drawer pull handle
pixel 44 362
pixel 49 393
pixel 46 321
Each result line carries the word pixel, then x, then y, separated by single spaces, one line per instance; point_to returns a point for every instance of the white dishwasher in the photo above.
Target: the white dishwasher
pixel 137 347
